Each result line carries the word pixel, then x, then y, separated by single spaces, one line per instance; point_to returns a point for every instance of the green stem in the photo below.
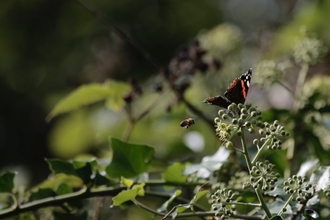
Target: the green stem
pixel 255 159
pixel 246 152
pixel 299 87
pixel 249 165
pixel 287 203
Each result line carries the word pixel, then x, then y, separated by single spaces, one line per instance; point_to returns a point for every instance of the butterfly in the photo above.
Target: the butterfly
pixel 236 92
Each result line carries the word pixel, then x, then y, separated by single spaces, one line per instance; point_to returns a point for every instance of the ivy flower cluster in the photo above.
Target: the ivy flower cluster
pixel 220 201
pixel 268 72
pixel 263 177
pixel 298 187
pixel 238 117
pixel 308 50
pixel 271 134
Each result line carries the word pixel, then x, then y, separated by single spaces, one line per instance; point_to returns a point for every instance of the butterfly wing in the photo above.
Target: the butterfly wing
pixel 218 100
pixel 238 89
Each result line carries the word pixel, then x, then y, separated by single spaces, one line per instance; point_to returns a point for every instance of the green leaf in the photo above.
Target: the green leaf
pixel 310 214
pixel 101 180
pixel 86 95
pixel 41 194
pixel 165 205
pixel 129 160
pixel 116 102
pixel 85 172
pixel 127 182
pixel 321 178
pixel 63 188
pixel 7 182
pixel 276 206
pixel 199 195
pixel 208 164
pixel 174 173
pixel 59 166
pixel 181 208
pixel 140 188
pixel 125 196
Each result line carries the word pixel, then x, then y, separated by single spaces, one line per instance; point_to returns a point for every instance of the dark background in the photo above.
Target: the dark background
pixel 48 48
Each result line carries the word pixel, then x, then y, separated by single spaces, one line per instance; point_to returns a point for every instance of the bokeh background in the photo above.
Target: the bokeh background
pixel 49 48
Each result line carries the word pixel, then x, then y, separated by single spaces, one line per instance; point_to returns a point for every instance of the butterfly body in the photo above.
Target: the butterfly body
pixel 235 93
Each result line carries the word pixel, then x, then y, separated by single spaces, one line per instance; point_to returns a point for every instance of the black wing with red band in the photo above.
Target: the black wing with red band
pixel 236 92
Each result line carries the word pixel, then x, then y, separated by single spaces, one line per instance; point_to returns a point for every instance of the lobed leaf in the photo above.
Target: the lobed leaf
pixel 125 196
pixel 174 173
pixel 129 160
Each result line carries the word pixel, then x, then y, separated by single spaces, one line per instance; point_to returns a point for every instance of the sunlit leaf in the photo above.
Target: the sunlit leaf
pixel 165 205
pixel 55 180
pixel 174 173
pixel 7 182
pixel 82 96
pixel 306 166
pixel 127 182
pixel 321 178
pixel 125 196
pixel 129 160
pixel 116 102
pixel 140 188
pixel 209 164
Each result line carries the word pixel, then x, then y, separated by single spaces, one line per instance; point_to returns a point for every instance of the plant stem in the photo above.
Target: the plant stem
pixel 246 152
pixel 287 203
pixel 255 159
pixel 249 165
pixel 299 86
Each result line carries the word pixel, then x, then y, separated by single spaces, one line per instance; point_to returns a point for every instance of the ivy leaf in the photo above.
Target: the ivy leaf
pixel 140 188
pixel 116 102
pixel 174 173
pixel 127 182
pixel 208 164
pixel 102 180
pixel 165 205
pixel 276 206
pixel 82 96
pixel 129 160
pixel 125 196
pixel 321 178
pixel 7 182
pixel 182 208
pixel 63 188
pixel 41 194
pixel 59 166
pixel 84 171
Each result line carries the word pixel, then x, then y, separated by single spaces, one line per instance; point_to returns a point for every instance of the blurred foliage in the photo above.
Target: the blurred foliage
pixel 63 64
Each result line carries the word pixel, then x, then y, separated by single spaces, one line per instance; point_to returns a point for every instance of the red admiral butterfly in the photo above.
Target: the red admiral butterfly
pixel 236 92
